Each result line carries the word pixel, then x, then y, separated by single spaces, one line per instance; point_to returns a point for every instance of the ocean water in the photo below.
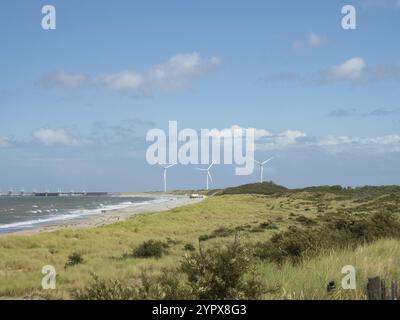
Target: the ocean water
pixel 19 213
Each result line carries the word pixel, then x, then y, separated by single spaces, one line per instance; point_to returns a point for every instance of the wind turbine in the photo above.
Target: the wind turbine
pixel 166 167
pixel 208 175
pixel 262 164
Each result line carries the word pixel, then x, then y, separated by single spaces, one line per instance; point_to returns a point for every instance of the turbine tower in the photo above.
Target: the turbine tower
pixel 262 164
pixel 166 167
pixel 208 174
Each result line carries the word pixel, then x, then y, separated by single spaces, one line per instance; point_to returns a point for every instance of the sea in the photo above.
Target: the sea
pixel 19 213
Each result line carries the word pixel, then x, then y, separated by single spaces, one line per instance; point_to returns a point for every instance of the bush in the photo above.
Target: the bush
pixel 268 226
pixel 74 259
pixel 296 244
pixel 204 237
pixel 150 249
pixel 222 233
pixel 213 274
pixel 105 290
pixel 257 229
pixel 306 221
pixel 223 273
pixel 189 247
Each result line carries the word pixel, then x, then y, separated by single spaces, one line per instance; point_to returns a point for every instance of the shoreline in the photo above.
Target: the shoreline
pixel 111 216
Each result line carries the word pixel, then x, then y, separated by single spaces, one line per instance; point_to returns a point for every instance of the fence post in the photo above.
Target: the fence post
pixel 374 288
pixel 384 293
pixel 394 291
pixel 377 289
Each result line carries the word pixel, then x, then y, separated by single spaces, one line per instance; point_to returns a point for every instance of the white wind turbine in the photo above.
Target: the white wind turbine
pixel 166 167
pixel 262 165
pixel 208 175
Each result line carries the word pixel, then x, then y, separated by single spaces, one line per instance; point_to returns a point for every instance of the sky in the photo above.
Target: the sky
pixel 76 102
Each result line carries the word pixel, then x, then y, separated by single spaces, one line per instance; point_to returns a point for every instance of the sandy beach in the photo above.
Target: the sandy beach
pixel 113 216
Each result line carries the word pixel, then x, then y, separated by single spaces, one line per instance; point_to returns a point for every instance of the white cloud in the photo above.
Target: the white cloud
pixel 295 138
pixel 258 133
pixel 387 140
pixel 354 70
pixel 121 81
pixel 179 70
pixel 52 137
pixel 267 140
pixel 4 142
pixel 65 80
pixel 280 140
pixel 176 73
pixel 351 70
pixel 312 40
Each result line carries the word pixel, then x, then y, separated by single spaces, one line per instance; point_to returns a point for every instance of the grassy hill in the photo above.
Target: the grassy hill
pixel 266 188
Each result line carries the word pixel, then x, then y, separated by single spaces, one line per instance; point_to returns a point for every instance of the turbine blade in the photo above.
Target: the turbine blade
pixel 211 165
pixel 209 175
pixel 266 161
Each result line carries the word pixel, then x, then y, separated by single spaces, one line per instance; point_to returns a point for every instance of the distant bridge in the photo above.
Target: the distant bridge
pixel 54 194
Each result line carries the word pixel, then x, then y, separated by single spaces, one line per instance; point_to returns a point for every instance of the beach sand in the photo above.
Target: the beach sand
pixel 113 216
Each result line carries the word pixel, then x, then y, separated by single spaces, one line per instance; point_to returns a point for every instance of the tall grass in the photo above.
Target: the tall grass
pixel 308 279
pixel 22 257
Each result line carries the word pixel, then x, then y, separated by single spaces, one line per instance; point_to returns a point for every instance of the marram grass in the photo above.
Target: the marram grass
pixel 103 249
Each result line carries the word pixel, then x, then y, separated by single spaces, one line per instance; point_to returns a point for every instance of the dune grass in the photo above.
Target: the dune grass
pixel 308 280
pixel 106 250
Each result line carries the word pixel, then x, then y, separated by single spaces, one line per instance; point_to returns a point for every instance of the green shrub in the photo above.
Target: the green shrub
pixel 339 232
pixel 243 227
pixel 168 286
pixel 223 273
pixel 222 233
pixel 189 247
pixel 268 225
pixel 150 249
pixel 105 290
pixel 74 259
pixel 213 274
pixel 204 237
pixel 306 221
pixel 257 229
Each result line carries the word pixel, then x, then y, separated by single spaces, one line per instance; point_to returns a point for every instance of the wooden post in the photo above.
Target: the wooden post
pixel 383 291
pixel 377 289
pixel 374 288
pixel 394 291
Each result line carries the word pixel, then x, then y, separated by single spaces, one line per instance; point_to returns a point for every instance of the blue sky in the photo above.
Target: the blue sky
pixel 76 102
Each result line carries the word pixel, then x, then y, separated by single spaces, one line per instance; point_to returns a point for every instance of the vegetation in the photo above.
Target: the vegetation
pixel 74 259
pixel 189 247
pixel 149 249
pixel 223 273
pixel 296 242
pixel 266 188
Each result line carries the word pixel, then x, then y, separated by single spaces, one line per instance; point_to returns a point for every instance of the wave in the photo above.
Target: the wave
pixel 75 214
